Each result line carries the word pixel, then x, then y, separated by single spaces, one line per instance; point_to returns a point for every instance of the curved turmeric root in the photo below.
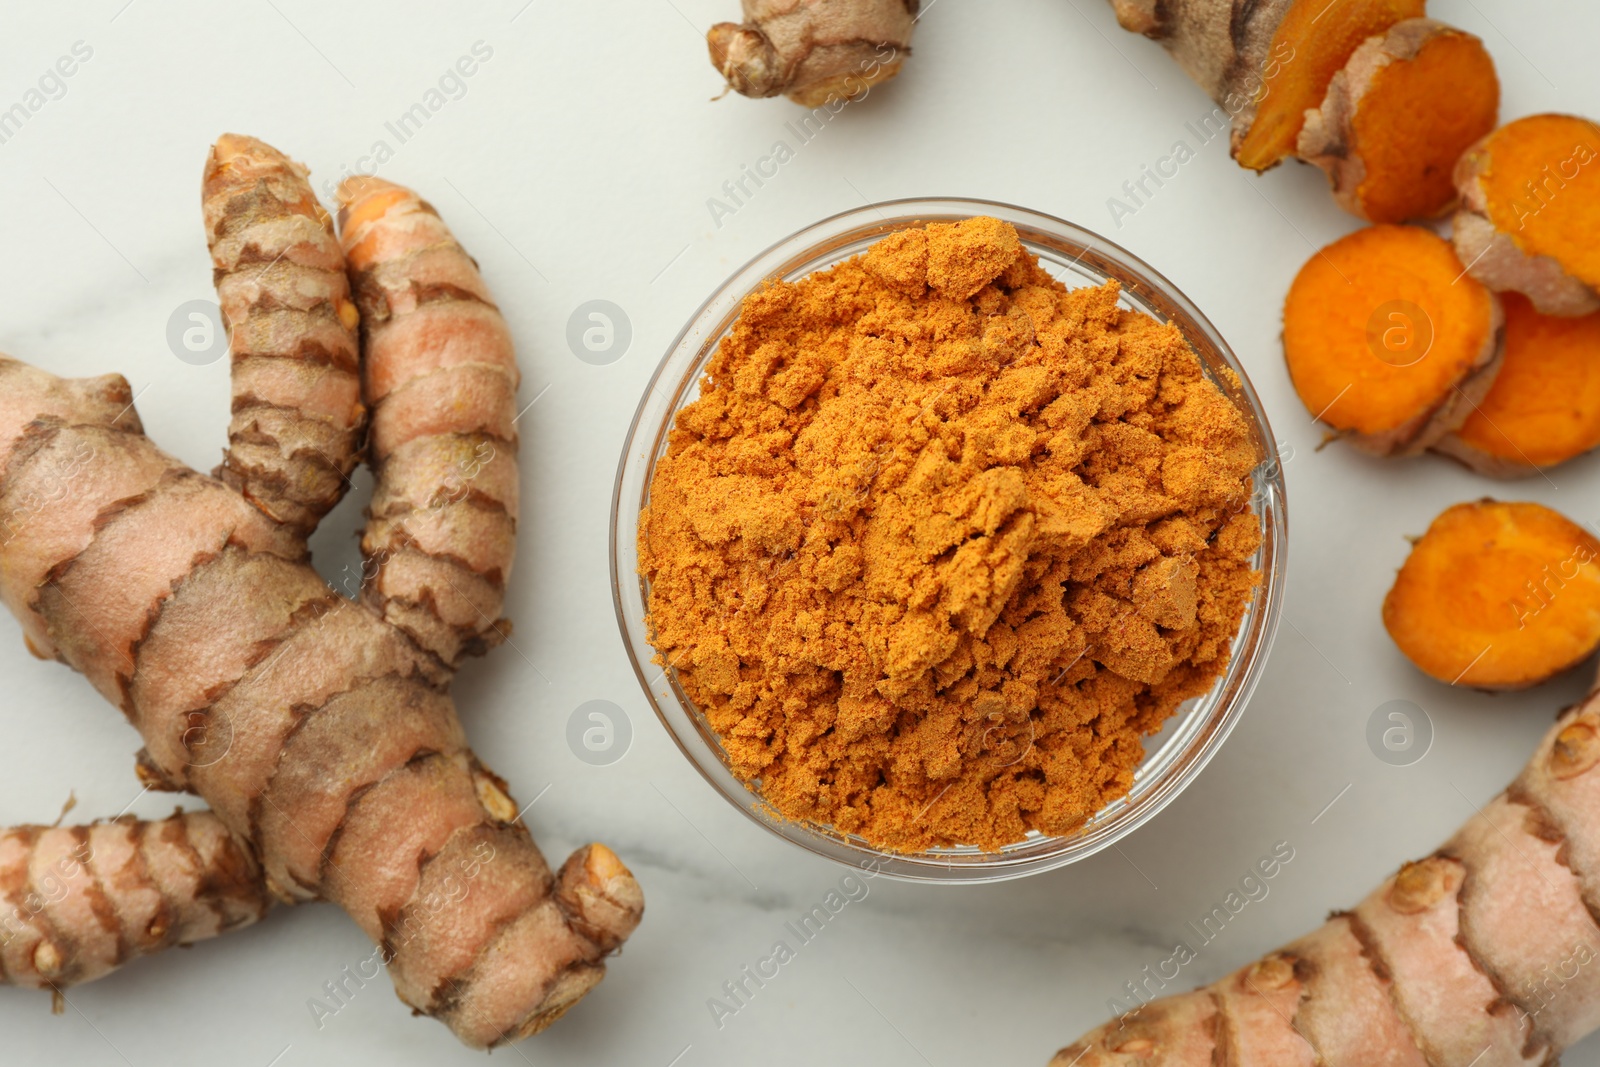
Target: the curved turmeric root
pixel 813 50
pixel 1530 212
pixel 1544 405
pixel 280 277
pixel 80 901
pixel 1398 116
pixel 1387 342
pixel 1264 64
pixel 440 377
pixel 315 727
pixel 1497 596
pixel 1439 965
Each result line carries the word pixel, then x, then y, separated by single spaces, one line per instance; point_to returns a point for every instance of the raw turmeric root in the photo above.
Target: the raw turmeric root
pixel 1544 405
pixel 80 901
pixel 1387 341
pixel 813 50
pixel 1264 64
pixel 1398 116
pixel 1497 596
pixel 1530 212
pixel 318 728
pixel 285 298
pixel 1440 965
pixel 441 380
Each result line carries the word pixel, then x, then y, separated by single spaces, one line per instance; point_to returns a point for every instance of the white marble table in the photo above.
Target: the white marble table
pixel 576 164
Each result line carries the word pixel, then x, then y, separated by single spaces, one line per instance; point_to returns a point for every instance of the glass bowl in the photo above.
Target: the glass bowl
pixel 1076 257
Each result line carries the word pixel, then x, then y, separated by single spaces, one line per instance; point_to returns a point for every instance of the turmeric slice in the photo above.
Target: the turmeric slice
pixel 1314 40
pixel 1388 340
pixel 1497 596
pixel 1398 116
pixel 1544 406
pixel 1530 211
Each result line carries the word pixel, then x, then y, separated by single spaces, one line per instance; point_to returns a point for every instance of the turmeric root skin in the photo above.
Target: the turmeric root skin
pixel 1528 219
pixel 813 50
pixel 81 901
pixel 1398 116
pixel 1497 596
pixel 1439 965
pixel 1498 263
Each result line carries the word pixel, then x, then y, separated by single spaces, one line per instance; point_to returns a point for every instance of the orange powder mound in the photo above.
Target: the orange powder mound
pixel 940 541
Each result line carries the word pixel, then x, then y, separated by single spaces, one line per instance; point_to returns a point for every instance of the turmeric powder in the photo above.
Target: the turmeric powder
pixel 941 540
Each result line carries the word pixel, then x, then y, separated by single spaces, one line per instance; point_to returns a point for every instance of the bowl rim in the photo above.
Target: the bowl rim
pixel 1251 646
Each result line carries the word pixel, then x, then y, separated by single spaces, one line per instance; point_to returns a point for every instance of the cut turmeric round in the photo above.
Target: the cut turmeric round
pixel 1312 43
pixel 1530 218
pixel 1544 406
pixel 1497 596
pixel 1398 116
pixel 1388 341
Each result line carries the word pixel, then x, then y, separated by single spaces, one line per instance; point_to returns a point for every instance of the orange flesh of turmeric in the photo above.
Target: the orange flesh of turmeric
pixel 1351 358
pixel 1313 42
pixel 1416 120
pixel 1542 184
pixel 1544 406
pixel 1497 596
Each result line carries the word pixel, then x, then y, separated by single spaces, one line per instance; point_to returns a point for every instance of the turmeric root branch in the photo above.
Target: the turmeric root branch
pixel 80 901
pixel 1439 965
pixel 291 325
pixel 440 378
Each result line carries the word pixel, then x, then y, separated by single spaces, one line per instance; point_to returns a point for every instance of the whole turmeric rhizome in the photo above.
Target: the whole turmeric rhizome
pixel 940 541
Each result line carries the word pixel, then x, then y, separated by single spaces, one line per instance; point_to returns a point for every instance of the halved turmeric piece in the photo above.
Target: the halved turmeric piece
pixel 1264 64
pixel 1530 211
pixel 1398 116
pixel 1544 406
pixel 1389 340
pixel 1497 596
pixel 1312 43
